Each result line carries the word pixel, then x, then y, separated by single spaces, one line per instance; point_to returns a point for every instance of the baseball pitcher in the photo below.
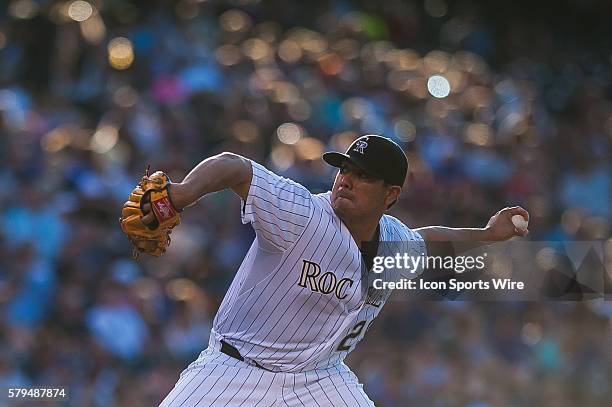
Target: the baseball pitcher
pixel 299 302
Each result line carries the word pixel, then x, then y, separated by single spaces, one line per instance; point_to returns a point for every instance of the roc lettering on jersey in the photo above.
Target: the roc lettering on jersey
pixel 325 283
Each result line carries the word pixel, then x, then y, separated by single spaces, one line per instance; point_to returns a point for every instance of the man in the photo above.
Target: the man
pixel 299 302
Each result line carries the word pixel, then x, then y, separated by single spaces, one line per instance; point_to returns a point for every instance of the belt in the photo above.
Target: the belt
pixel 229 350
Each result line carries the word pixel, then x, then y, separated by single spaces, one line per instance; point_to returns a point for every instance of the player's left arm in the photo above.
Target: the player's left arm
pixel 499 227
pixel 225 170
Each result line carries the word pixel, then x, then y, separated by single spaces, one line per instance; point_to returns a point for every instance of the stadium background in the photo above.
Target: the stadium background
pixel 92 92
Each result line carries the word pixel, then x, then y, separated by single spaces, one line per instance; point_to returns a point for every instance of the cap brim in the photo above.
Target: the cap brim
pixel 336 159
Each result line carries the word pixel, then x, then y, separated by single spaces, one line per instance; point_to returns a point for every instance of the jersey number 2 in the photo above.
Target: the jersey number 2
pixel 343 346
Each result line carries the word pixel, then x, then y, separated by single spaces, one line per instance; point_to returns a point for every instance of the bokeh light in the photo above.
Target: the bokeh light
pixel 120 53
pixel 93 29
pixel 299 110
pixel 56 139
pixel 80 10
pixel 285 92
pixel 146 288
pixel 245 131
pixel 347 48
pixel 417 88
pixel 456 80
pixel 104 139
pixel 23 9
pixel 330 64
pixel 355 108
pixel 571 221
pixel 376 52
pixel 264 79
pixel 309 148
pixel 404 130
pixel 341 141
pixel 438 86
pixel 234 21
pixel 475 97
pixel 479 134
pixel 228 55
pixel 470 63
pixel 546 259
pixel 436 62
pixel 289 51
pixel 399 80
pixel 282 157
pixel 125 96
pixel 531 333
pixel 310 41
pixel 269 31
pixel 181 289
pixel 257 49
pixel 289 133
pixel 403 59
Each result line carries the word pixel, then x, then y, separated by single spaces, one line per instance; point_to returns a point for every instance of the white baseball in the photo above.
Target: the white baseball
pixel 519 222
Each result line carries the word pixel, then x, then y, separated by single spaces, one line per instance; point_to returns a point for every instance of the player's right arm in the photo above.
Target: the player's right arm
pixel 216 173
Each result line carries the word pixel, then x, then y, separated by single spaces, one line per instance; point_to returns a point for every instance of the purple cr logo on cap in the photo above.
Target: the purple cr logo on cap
pixel 360 145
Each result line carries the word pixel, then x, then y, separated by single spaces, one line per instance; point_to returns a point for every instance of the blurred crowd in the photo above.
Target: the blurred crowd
pixel 495 105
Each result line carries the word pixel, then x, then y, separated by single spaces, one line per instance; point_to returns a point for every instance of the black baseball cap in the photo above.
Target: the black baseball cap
pixel 375 155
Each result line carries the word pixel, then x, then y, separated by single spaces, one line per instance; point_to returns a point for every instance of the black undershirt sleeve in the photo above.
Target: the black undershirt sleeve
pixel 369 249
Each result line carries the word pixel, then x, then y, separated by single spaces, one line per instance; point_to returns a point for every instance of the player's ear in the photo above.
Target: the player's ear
pixel 392 195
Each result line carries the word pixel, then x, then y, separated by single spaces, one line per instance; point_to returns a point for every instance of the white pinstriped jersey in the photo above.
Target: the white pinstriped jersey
pixel 299 300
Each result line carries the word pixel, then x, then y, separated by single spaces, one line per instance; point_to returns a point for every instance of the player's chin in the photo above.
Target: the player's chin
pixel 342 206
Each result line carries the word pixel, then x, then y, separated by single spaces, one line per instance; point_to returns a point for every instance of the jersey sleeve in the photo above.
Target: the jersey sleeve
pixel 405 240
pixel 415 245
pixel 278 208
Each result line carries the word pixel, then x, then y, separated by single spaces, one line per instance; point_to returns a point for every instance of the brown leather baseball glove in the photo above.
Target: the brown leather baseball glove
pixel 153 237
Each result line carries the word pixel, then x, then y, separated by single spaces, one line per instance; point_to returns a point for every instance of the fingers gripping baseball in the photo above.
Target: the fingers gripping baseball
pixel 508 222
